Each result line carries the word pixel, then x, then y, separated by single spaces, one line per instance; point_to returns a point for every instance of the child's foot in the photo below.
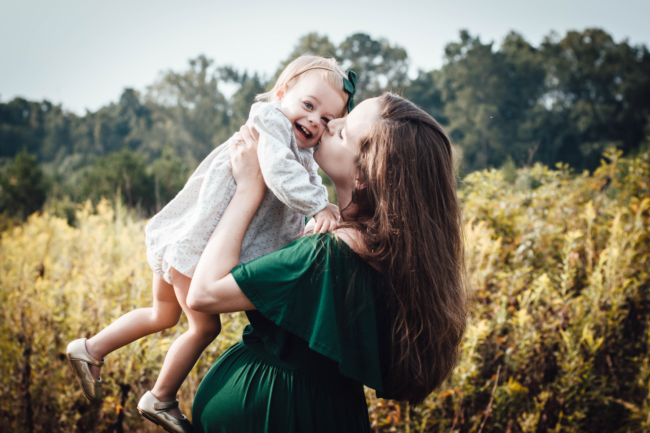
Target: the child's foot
pixel 159 412
pixel 94 370
pixel 80 362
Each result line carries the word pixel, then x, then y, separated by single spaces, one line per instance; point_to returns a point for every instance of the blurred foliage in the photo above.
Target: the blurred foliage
pixel 566 100
pixel 23 187
pixel 557 341
pixel 60 283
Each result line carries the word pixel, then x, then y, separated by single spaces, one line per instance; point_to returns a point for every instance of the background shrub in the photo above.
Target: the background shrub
pixel 557 340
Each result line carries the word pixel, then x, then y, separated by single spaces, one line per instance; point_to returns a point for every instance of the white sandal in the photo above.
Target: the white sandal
pixel 156 411
pixel 79 360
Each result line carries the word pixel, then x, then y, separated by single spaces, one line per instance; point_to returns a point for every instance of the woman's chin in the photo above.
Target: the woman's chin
pixel 318 152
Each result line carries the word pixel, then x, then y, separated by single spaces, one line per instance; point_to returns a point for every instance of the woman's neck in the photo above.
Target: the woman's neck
pixel 347 208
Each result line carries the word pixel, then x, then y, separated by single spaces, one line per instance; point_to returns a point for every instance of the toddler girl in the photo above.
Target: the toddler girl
pixel 309 93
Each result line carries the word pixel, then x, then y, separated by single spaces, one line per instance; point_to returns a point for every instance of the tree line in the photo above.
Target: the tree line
pixel 566 100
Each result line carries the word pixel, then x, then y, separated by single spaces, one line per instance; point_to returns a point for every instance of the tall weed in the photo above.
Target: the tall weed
pixel 557 339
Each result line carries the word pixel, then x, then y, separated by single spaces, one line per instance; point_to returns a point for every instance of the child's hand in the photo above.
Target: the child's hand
pixel 335 210
pixel 326 220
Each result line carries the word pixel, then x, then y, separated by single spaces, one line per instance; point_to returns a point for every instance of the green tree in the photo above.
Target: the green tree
pixel 170 173
pixel 125 124
pixel 599 91
pixel 492 99
pixel 40 127
pixel 471 90
pixel 23 186
pixel 379 65
pixel 192 110
pixel 240 103
pixel 122 174
pixel 425 92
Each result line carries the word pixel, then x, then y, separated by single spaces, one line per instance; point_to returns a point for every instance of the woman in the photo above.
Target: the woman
pixel 379 302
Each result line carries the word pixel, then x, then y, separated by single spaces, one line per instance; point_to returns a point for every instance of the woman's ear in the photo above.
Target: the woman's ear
pixel 359 182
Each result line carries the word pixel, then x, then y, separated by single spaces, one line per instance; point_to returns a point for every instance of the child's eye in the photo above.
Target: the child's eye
pixel 309 105
pixel 325 119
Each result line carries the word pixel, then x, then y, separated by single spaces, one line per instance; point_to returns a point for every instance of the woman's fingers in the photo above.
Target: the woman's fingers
pixel 232 146
pixel 254 133
pixel 245 136
pixel 243 157
pixel 249 135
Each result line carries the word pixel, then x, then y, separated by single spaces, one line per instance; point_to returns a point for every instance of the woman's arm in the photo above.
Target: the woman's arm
pixel 213 290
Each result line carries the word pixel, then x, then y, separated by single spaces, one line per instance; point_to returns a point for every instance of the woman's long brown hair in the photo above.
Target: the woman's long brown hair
pixel 410 219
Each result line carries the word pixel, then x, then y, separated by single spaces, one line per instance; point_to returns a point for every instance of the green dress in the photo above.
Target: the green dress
pixel 317 336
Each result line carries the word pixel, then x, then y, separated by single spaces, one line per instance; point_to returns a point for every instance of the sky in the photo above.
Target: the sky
pixel 82 53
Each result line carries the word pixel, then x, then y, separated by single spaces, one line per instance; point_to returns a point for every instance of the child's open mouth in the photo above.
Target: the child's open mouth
pixel 303 131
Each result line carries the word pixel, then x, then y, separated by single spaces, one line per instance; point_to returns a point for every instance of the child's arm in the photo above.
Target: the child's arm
pixel 326 220
pixel 314 177
pixel 283 173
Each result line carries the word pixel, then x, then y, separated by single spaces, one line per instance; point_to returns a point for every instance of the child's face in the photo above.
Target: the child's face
pixel 309 105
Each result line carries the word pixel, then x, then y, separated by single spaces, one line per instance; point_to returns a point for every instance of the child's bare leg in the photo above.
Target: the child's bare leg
pixel 187 348
pixel 137 323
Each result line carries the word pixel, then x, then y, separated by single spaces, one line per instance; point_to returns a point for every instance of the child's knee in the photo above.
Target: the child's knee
pixel 166 319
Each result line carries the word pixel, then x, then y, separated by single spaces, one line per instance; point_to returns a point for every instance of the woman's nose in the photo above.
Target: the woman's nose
pixel 331 126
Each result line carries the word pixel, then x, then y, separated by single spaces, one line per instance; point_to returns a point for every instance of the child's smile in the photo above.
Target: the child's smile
pixel 299 129
pixel 310 104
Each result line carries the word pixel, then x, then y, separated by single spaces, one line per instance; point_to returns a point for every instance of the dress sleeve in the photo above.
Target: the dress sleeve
pixel 316 289
pixel 283 171
pixel 314 177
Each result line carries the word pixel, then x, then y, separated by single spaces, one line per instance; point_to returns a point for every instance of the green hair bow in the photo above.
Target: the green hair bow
pixel 350 86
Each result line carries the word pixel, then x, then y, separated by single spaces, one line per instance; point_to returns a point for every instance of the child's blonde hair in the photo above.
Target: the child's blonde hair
pixel 328 70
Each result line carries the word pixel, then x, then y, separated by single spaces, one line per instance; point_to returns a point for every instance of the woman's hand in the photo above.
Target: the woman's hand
pixel 245 165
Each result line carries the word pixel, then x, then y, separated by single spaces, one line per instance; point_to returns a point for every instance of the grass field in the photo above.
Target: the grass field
pixel 557 339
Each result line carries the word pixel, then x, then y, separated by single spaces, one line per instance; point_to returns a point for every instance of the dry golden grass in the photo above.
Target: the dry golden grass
pixel 557 340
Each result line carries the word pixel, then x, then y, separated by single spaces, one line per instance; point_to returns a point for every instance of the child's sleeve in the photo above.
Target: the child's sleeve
pixel 291 182
pixel 314 177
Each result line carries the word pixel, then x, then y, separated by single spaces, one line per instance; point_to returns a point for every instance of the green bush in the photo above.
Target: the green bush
pixel 23 186
pixel 558 264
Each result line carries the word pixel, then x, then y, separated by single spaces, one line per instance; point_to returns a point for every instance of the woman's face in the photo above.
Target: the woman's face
pixel 339 145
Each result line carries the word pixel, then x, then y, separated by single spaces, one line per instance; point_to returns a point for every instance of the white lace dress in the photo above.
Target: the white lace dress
pixel 177 235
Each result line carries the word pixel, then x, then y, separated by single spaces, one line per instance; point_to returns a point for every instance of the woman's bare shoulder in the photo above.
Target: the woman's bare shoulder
pixel 348 235
pixel 352 238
